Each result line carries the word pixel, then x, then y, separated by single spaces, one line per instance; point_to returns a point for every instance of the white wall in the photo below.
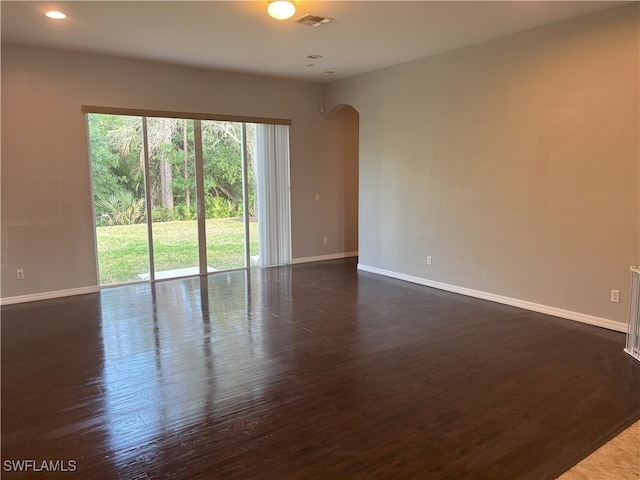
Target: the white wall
pixel 47 225
pixel 513 163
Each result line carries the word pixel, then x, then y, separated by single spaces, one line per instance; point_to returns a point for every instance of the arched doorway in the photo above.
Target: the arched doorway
pixel 343 123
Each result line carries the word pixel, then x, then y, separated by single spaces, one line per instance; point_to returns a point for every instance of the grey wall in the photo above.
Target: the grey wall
pixel 339 204
pixel 514 163
pixel 47 225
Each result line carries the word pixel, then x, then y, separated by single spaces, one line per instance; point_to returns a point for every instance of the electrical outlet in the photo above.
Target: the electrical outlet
pixel 428 259
pixel 317 197
pixel 615 296
pixel 325 241
pixel 20 274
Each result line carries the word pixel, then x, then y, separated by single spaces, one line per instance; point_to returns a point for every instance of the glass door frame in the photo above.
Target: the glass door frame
pixel 200 192
pixel 200 201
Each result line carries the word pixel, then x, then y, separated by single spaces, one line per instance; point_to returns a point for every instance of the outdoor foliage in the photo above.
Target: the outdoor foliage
pixel 121 208
pixel 118 169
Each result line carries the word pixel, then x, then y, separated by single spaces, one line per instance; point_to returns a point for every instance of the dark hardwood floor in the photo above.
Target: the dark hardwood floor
pixel 310 372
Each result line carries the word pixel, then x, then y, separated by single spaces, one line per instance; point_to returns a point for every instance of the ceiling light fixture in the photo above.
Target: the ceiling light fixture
pixel 55 15
pixel 281 9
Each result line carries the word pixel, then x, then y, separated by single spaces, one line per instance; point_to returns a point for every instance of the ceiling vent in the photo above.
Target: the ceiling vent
pixel 313 20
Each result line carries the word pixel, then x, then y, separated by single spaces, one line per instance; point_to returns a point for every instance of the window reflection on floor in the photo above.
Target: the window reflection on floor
pixel 177 352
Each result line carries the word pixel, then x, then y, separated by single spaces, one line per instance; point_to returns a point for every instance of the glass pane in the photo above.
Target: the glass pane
pixel 119 197
pixel 222 163
pixel 173 197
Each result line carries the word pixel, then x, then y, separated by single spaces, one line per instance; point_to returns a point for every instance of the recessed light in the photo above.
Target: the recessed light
pixel 314 56
pixel 328 73
pixel 56 15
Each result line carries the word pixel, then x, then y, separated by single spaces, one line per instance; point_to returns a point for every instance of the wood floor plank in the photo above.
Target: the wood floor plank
pixel 312 371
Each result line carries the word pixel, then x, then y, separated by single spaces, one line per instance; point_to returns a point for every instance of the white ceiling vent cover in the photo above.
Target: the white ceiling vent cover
pixel 313 20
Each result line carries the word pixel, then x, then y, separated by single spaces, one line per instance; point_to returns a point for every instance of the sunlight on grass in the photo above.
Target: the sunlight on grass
pixel 123 255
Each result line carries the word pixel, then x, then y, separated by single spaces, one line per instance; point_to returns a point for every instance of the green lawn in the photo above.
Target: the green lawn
pixel 123 255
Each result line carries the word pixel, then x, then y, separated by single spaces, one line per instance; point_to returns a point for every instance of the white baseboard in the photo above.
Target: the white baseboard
pixel 535 307
pixel 34 297
pixel 321 258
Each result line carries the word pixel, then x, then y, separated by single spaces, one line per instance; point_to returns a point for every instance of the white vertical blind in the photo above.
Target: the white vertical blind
pixel 274 210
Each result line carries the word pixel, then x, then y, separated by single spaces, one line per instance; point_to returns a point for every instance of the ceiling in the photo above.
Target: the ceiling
pixel 239 36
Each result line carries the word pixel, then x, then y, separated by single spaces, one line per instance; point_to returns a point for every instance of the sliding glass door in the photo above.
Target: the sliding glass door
pixel 223 155
pixel 175 197
pixel 118 170
pixel 172 191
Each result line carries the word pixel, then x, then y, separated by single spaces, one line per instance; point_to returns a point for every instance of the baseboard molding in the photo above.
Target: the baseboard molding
pixel 321 258
pixel 48 295
pixel 535 307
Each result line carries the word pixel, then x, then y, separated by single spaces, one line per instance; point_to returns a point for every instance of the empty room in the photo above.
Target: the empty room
pixel 341 240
